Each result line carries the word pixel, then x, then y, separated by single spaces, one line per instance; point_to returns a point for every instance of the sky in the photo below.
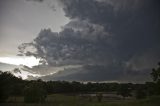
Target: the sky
pixel 82 40
pixel 21 21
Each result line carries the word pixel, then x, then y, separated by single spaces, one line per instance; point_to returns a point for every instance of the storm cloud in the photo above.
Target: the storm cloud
pixel 36 0
pixel 109 39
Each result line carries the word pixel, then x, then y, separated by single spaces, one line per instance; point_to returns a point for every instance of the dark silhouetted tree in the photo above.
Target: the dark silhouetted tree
pixel 141 92
pixel 7 81
pixel 156 74
pixel 156 78
pixel 35 92
pixel 124 90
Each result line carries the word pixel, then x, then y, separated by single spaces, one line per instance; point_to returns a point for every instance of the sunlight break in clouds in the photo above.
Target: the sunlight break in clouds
pixel 28 61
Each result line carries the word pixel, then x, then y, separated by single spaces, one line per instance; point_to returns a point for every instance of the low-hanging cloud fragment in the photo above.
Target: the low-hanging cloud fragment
pixel 118 38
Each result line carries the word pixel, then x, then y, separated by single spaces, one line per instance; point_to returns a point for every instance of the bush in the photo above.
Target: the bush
pixel 7 81
pixel 140 94
pixel 3 94
pixel 35 93
pixel 124 90
pixel 99 97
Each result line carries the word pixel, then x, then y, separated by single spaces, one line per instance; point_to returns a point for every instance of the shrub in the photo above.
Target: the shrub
pixel 141 94
pixel 99 97
pixel 34 93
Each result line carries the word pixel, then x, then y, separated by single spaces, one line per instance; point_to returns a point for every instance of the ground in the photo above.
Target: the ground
pixel 72 100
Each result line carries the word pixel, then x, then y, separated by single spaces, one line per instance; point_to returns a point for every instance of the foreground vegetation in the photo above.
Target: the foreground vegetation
pixel 68 100
pixel 17 92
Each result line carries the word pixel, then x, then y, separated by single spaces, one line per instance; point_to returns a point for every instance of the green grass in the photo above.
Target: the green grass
pixel 65 100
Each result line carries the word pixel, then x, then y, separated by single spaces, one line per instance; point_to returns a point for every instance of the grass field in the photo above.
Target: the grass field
pixel 65 100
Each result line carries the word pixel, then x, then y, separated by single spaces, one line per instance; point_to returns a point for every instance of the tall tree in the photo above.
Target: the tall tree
pixel 156 73
pixel 156 78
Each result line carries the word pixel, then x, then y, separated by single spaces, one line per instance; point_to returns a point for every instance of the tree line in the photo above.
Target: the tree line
pixel 37 90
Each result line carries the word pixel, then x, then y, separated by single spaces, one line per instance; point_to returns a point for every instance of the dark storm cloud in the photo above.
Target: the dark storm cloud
pixel 36 0
pixel 134 25
pixel 98 73
pixel 128 25
pixel 112 40
pixel 69 46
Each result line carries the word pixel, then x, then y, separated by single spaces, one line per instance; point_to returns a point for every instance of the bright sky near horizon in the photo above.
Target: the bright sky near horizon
pixel 28 61
pixel 21 21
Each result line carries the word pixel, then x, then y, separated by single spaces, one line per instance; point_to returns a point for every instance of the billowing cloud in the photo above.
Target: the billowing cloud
pixel 36 0
pixel 70 46
pixel 111 40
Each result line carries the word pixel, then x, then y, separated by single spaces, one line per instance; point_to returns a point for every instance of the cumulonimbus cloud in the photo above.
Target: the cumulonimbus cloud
pixel 110 35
